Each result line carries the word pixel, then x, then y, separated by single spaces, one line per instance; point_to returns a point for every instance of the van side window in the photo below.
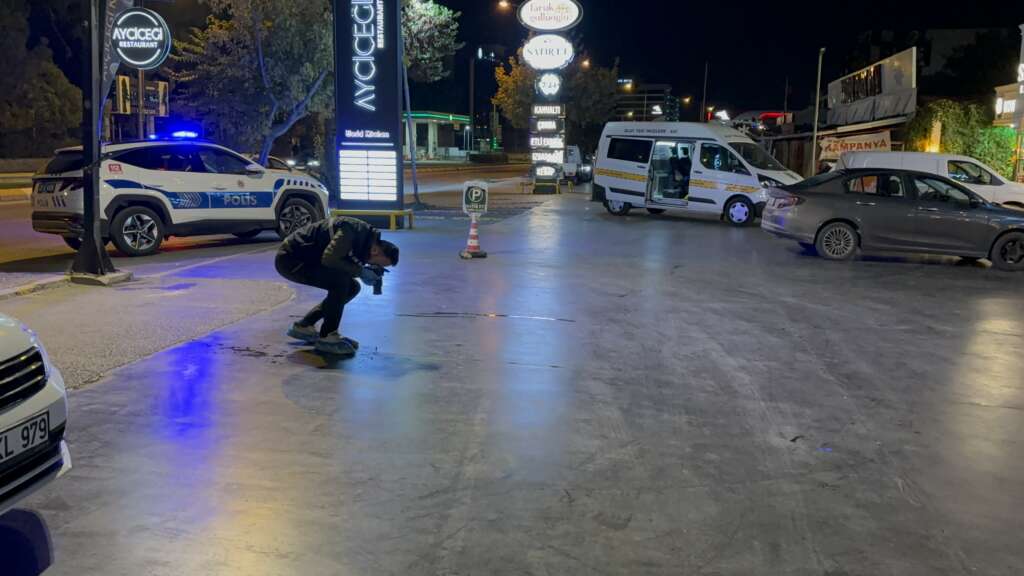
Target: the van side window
pixel 715 157
pixel 969 173
pixel 628 150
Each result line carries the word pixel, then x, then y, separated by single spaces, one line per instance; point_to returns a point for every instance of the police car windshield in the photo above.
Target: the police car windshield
pixel 756 156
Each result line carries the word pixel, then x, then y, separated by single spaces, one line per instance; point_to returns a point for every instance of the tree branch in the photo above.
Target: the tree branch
pixel 262 62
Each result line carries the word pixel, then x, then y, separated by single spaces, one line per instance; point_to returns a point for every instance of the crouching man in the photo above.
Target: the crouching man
pixel 331 255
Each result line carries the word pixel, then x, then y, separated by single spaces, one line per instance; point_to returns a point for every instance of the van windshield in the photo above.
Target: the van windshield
pixel 756 156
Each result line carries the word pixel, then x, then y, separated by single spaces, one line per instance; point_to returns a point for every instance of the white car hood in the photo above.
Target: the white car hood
pixel 784 176
pixel 15 338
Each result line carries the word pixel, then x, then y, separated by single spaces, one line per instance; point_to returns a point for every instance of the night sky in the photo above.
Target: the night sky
pixel 752 46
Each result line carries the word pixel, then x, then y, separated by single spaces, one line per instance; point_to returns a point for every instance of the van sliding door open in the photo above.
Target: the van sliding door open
pixel 669 178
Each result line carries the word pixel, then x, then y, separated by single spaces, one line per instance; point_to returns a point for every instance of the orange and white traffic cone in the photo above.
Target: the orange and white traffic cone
pixel 473 245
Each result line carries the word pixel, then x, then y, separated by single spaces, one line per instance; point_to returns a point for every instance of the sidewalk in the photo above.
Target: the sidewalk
pixel 90 331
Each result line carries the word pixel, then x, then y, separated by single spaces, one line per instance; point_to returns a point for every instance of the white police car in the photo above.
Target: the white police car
pixel 159 188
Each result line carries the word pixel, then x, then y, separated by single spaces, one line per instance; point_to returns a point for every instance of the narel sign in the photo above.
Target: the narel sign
pixel 367 40
pixel 550 15
pixel 548 52
pixel 141 38
pixel 367 93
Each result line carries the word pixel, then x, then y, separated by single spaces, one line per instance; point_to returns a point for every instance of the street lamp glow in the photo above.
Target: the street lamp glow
pixel 687 100
pixel 504 4
pixel 586 63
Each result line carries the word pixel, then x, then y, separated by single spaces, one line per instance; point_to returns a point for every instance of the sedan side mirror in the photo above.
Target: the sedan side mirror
pixel 254 169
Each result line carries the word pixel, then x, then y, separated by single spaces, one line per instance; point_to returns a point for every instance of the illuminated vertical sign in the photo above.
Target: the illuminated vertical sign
pixel 368 83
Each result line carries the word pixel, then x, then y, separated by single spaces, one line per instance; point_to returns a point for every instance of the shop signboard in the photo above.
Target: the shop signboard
pixel 550 15
pixel 368 107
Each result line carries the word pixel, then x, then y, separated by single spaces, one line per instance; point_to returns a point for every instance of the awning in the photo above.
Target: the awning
pixel 852 128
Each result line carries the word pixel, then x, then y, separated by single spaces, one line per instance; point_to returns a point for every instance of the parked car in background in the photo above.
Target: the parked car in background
pixel 973 174
pixel 33 415
pixel 841 212
pixel 573 163
pixel 158 188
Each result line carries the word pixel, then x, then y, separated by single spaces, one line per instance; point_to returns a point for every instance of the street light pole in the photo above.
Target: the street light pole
pixel 472 100
pixel 704 99
pixel 141 89
pixel 817 106
pixel 92 259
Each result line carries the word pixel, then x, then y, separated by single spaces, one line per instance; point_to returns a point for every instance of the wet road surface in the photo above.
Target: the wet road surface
pixel 642 395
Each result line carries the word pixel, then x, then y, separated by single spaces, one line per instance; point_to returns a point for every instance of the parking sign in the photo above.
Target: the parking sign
pixel 474 197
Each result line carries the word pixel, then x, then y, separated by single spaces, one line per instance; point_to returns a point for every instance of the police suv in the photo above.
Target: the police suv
pixel 159 188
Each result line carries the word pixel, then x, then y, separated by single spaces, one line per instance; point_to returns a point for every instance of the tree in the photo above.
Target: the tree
pixel 516 92
pixel 39 108
pixel 258 67
pixel 590 97
pixel 973 70
pixel 967 130
pixel 431 38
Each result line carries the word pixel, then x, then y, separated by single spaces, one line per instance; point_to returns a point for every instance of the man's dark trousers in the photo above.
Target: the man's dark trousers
pixel 341 289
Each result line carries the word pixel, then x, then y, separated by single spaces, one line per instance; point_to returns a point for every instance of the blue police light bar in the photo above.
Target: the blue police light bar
pixel 185 134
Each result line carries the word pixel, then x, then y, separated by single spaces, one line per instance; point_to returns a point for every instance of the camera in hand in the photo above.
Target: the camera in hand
pixel 378 286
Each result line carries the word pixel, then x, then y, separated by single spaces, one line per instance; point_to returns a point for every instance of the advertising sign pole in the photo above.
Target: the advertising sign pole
pixel 368 85
pixel 92 259
pixel 548 52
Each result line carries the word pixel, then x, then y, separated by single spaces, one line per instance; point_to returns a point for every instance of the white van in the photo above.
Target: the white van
pixel 698 168
pixel 970 172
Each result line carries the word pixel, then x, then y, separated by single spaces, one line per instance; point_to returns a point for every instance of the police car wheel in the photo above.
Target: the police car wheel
pixel 295 214
pixel 73 242
pixel 137 231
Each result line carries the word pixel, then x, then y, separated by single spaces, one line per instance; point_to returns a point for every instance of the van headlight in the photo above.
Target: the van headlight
pixel 767 182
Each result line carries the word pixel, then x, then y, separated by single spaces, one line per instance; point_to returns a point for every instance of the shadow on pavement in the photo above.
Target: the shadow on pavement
pixel 55 264
pixel 25 544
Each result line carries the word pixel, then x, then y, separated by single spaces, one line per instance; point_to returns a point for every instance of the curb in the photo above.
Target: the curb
pixel 37 286
pixel 15 194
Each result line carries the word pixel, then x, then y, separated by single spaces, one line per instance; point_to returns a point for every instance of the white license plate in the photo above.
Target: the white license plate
pixel 24 436
pixel 43 202
pixel 46 187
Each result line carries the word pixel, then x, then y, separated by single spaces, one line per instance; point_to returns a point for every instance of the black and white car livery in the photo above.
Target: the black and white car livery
pixel 159 188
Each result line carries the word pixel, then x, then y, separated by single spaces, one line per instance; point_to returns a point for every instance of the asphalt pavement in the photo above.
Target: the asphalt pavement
pixel 602 395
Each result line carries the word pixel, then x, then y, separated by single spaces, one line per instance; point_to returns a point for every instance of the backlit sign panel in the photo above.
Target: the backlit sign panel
pixel 548 52
pixel 552 142
pixel 550 15
pixel 367 89
pixel 140 38
pixel 549 84
pixel 545 125
pixel 548 157
pixel 548 110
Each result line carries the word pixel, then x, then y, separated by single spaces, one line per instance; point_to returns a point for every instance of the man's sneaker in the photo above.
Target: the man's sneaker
pixel 305 333
pixel 334 344
pixel 351 342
